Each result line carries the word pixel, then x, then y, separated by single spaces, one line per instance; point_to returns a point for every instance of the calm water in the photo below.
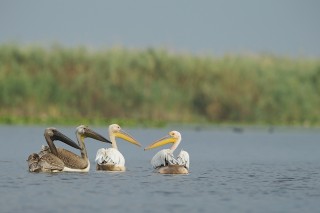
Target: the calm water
pixel 250 171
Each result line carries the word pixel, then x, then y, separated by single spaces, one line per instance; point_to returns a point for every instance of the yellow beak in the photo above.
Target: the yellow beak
pixel 161 142
pixel 122 134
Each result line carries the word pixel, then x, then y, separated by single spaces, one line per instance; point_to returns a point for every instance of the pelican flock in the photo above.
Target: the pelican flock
pixel 164 161
pixel 45 160
pixel 53 159
pixel 110 159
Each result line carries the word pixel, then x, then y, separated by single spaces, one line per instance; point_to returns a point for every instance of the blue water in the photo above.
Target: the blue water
pixel 251 170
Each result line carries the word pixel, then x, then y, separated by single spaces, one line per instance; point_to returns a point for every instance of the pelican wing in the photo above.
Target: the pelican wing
pixel 183 159
pixel 49 162
pixel 72 160
pixel 163 158
pixel 101 155
pixel 110 156
pixel 44 150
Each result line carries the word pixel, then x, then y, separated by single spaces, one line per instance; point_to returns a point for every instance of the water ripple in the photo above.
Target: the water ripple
pixel 237 176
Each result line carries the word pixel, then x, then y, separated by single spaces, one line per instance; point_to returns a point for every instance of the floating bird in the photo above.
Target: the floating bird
pixel 53 159
pixel 110 159
pixel 164 161
pixel 45 161
pixel 74 162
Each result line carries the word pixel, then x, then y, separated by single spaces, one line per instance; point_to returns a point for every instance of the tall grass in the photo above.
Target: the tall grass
pixel 68 85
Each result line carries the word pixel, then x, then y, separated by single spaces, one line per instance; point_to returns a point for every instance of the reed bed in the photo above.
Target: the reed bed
pixel 155 86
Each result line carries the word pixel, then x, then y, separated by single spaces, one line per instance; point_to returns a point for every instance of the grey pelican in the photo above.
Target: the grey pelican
pixel 110 159
pixel 164 162
pixel 45 161
pixel 55 159
pixel 74 162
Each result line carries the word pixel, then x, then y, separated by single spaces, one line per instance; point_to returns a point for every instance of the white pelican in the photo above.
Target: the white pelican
pixel 111 159
pixel 164 161
pixel 55 159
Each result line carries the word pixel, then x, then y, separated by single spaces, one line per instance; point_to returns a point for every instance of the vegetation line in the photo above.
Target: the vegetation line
pixel 154 86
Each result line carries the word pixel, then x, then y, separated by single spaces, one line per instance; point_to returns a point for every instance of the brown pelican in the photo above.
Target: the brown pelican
pixel 45 161
pixel 111 159
pixel 164 161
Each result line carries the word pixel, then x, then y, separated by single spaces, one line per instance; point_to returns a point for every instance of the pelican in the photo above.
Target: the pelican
pixel 53 159
pixel 45 161
pixel 74 162
pixel 164 162
pixel 111 159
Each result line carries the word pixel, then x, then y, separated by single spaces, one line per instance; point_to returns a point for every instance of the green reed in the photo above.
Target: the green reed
pixel 155 86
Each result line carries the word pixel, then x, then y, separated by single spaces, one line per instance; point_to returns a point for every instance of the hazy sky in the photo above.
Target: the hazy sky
pixel 285 27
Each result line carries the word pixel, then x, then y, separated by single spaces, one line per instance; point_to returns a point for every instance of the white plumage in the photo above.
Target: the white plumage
pixel 110 159
pixel 164 161
pixel 165 157
pixel 183 159
pixel 110 156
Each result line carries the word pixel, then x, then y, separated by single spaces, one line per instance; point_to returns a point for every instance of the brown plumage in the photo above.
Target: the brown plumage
pixel 46 163
pixel 173 169
pixel 110 167
pixel 53 159
pixel 72 160
pixel 46 160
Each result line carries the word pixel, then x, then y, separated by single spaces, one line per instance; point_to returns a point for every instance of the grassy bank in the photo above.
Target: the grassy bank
pixel 68 86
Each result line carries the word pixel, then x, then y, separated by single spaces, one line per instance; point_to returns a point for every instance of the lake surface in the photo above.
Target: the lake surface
pixel 231 170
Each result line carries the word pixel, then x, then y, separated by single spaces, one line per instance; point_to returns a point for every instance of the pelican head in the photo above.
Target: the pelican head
pixel 33 162
pixel 53 134
pixel 33 158
pixel 86 132
pixel 116 131
pixel 173 137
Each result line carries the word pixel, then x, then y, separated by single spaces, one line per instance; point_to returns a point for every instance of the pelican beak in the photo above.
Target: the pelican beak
pixel 122 134
pixel 61 137
pixel 163 141
pixel 92 134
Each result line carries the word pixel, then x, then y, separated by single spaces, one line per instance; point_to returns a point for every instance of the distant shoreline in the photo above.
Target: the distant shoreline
pixel 155 87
